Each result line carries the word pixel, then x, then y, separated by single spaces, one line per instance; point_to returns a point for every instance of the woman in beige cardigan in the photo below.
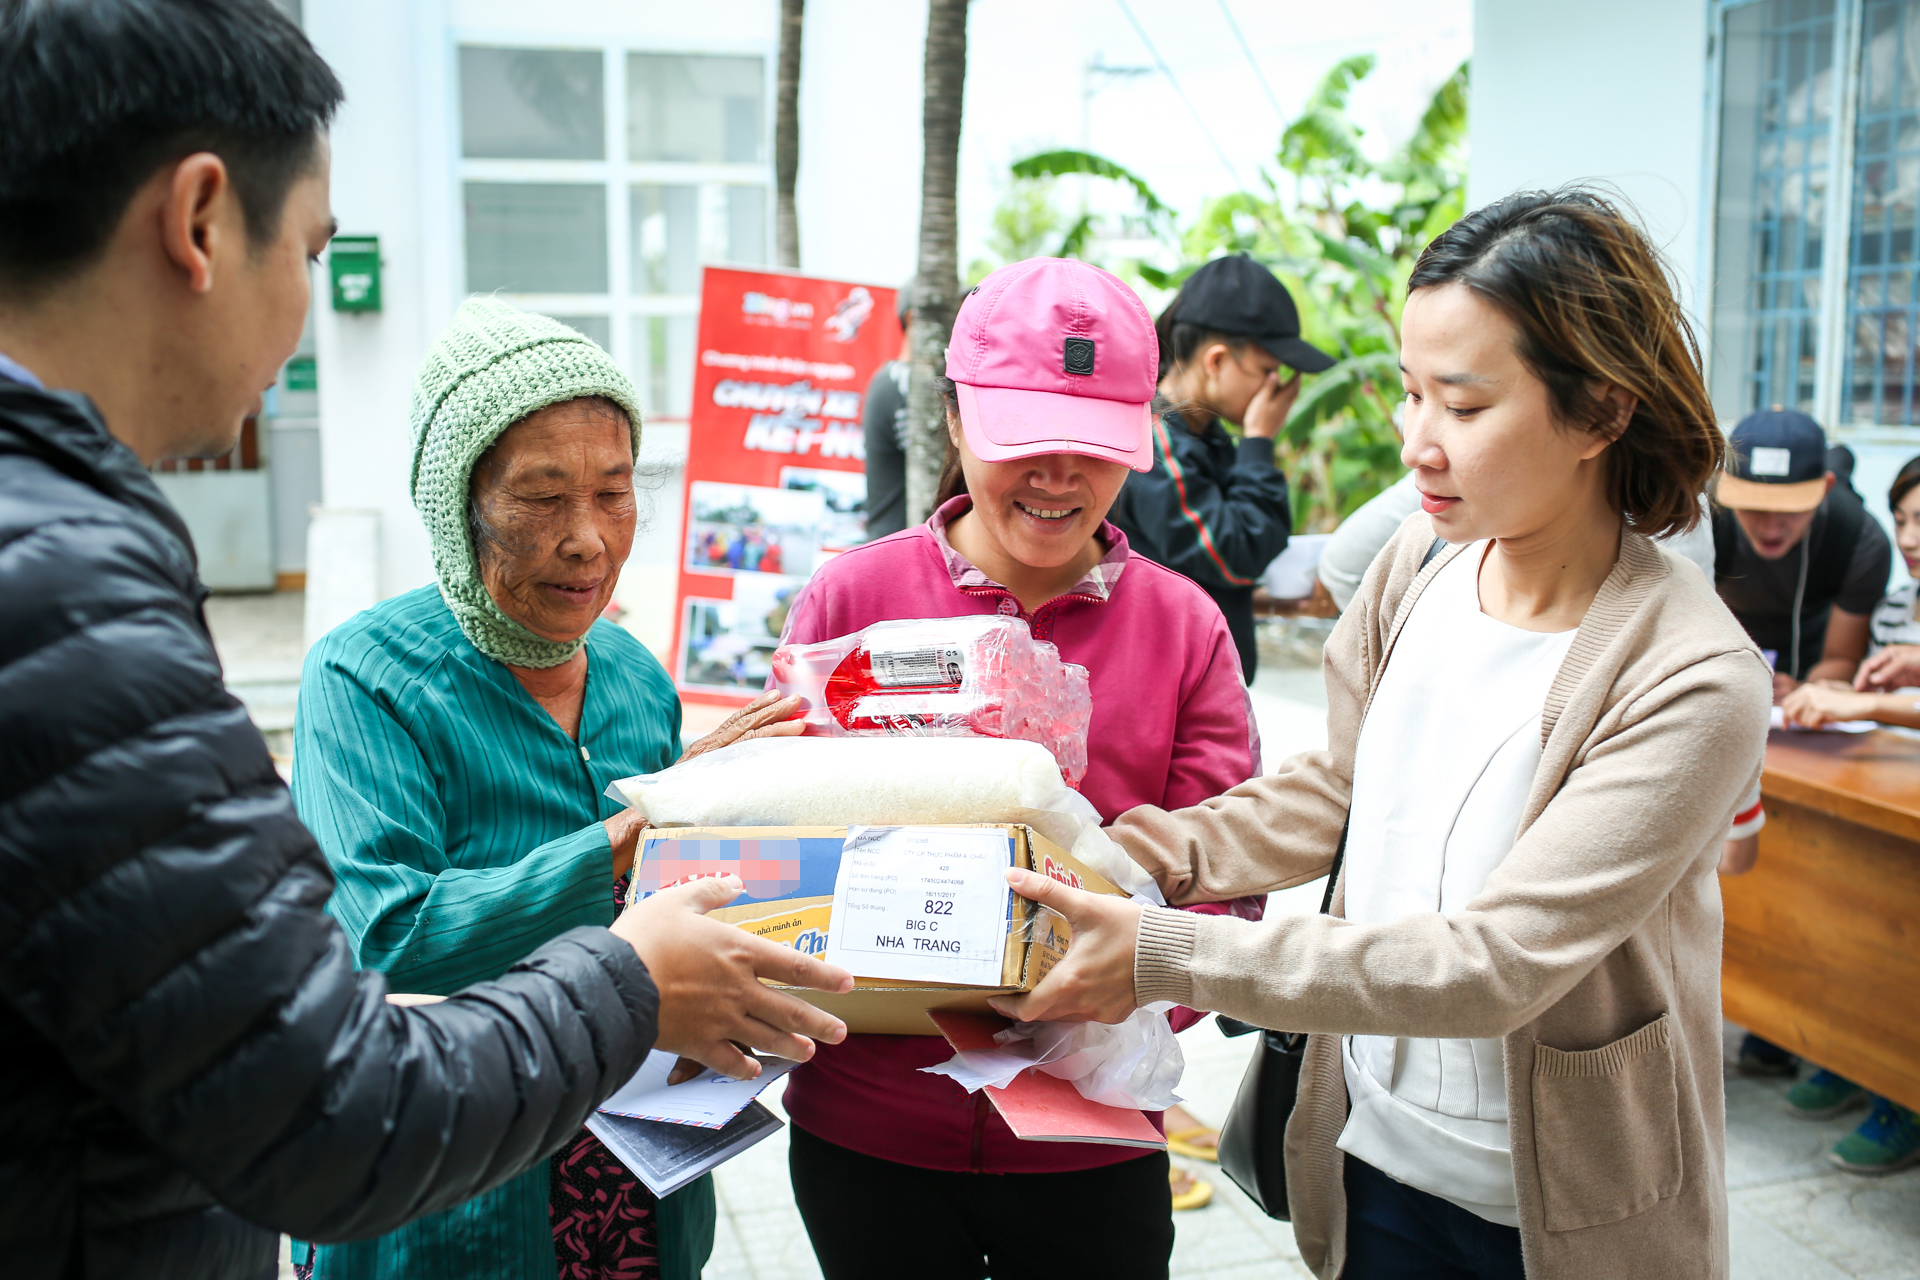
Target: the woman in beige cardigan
pixel 1536 739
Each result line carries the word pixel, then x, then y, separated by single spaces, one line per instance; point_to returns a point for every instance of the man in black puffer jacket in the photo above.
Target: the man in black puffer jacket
pixel 191 1062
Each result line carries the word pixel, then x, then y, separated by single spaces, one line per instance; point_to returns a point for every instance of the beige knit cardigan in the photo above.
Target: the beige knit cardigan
pixel 1594 949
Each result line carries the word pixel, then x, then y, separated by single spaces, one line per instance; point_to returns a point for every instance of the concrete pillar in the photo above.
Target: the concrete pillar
pixel 393 165
pixel 343 567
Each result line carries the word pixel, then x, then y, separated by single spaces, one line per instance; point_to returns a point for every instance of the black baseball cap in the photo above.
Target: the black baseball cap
pixel 1237 296
pixel 1776 461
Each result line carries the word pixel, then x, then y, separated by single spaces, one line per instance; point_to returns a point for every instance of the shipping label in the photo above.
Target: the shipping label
pixel 922 904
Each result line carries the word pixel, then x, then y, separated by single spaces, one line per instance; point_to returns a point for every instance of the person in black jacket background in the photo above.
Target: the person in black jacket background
pixel 1214 509
pixel 192 1062
pixel 884 422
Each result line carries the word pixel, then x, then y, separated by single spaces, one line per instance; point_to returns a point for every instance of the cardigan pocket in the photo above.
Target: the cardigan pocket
pixel 1606 1128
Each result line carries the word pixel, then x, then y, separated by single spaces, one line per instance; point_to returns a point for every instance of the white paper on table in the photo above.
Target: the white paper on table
pixel 708 1100
pixel 922 904
pixel 1779 721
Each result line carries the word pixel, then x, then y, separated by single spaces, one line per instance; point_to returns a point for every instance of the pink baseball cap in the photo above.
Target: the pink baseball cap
pixel 1055 356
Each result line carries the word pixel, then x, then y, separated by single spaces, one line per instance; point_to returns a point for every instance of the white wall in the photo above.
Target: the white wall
pixel 1570 89
pixel 386 56
pixel 858 192
pixel 395 176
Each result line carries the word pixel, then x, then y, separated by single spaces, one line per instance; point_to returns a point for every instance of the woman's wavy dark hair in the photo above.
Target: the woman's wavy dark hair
pixel 1594 305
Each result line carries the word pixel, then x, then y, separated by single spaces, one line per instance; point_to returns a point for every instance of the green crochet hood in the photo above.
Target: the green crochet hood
pixel 492 366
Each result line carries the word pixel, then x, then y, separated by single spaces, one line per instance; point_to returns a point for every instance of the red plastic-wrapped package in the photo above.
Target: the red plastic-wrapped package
pixel 973 677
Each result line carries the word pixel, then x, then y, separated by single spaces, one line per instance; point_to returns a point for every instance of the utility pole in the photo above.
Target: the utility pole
pixel 936 285
pixel 786 136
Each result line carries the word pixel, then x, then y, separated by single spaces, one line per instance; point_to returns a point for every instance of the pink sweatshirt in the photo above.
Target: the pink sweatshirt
pixel 1171 727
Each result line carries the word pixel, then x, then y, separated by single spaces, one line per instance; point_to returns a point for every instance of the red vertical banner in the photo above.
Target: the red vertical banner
pixel 776 479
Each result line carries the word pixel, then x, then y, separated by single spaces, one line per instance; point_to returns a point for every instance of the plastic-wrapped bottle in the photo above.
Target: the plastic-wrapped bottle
pixel 981 676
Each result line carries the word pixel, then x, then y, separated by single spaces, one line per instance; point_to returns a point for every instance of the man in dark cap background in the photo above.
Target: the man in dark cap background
pixel 884 423
pixel 1796 555
pixel 1801 564
pixel 1212 507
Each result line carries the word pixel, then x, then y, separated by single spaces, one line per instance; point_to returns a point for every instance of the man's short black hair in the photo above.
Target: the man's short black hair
pixel 96 95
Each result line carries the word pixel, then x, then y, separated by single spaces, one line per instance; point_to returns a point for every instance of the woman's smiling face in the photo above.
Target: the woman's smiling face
pixel 553 499
pixel 1041 512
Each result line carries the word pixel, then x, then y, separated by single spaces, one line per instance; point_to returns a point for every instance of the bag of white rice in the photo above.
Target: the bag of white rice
pixel 843 782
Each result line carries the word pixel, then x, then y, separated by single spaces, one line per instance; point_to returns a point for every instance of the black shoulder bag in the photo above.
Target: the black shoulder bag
pixel 1253 1141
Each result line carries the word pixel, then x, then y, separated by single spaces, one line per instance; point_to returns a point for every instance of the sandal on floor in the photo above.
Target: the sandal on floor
pixel 1195 1197
pixel 1178 1144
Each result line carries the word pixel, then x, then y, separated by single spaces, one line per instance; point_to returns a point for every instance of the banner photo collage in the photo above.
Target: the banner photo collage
pixel 776 481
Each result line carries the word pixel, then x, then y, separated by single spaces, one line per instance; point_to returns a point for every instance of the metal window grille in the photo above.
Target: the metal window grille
pixel 1790 206
pixel 596 183
pixel 1883 276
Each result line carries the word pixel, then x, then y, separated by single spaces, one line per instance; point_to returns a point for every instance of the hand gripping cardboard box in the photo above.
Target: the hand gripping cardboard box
pixel 910 916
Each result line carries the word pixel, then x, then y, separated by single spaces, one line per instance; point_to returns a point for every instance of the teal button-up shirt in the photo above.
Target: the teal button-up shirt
pixel 464 830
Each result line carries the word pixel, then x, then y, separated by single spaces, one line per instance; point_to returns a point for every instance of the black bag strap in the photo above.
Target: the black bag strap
pixel 1333 872
pixel 1439 545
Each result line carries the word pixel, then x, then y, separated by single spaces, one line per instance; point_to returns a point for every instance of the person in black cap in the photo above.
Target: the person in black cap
pixel 884 423
pixel 1211 508
pixel 1801 565
pixel 1796 556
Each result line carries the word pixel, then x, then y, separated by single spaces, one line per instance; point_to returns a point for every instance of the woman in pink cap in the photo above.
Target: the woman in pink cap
pixel 1051 370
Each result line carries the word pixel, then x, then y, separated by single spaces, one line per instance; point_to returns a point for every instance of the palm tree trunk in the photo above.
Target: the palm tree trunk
pixel 936 286
pixel 786 136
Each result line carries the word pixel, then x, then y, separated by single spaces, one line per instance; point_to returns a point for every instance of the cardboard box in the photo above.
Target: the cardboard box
pixel 789 874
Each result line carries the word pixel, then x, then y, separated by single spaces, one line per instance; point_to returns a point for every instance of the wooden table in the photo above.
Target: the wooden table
pixel 1823 935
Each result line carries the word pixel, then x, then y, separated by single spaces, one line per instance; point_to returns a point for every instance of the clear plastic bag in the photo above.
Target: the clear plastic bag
pixel 980 676
pixel 1133 1063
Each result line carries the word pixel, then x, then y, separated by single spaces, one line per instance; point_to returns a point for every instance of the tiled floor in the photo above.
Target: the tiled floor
pixel 261 647
pixel 1793 1215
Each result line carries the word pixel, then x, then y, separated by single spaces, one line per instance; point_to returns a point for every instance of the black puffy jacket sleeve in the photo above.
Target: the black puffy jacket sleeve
pixel 170 987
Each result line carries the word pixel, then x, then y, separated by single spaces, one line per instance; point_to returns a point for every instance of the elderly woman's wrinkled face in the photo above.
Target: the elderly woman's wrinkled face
pixel 553 515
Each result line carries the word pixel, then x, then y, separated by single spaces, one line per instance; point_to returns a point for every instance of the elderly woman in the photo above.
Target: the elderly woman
pixel 453 749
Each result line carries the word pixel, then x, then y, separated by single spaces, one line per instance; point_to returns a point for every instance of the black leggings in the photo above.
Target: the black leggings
pixel 872 1218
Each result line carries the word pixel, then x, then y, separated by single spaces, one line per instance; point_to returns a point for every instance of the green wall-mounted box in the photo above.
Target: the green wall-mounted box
pixel 301 374
pixel 355 262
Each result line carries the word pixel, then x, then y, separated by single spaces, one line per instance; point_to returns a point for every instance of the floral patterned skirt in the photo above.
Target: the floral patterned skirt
pixel 605 1224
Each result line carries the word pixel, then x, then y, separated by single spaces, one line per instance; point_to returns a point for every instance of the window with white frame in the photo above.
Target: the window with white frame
pixel 1816 261
pixel 596 182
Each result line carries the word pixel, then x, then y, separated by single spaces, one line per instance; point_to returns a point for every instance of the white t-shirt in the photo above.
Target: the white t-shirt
pixel 1441 773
